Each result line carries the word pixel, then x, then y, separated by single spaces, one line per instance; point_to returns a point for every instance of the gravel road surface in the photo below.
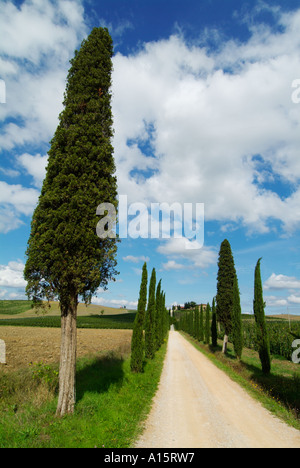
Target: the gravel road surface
pixel 199 406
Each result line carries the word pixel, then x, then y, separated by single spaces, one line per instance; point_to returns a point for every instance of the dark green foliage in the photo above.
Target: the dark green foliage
pixel 224 298
pixel 197 323
pixel 64 254
pixel 214 331
pixel 65 257
pixel 280 336
pixel 207 325
pixel 150 319
pixel 158 316
pixel 263 341
pixel 201 324
pixel 237 326
pixel 137 342
pixel 190 305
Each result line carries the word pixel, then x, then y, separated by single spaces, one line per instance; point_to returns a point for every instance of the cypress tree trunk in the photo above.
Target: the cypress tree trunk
pixel 225 344
pixel 262 333
pixel 68 353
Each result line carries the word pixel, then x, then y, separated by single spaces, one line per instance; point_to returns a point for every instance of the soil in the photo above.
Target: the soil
pixel 25 345
pixel 198 406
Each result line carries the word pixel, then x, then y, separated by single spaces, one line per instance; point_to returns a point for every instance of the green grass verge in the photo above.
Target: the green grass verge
pixel 121 321
pixel 111 404
pixel 279 392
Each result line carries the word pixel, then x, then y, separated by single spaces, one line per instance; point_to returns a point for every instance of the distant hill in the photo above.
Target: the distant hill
pixel 9 309
pixel 285 317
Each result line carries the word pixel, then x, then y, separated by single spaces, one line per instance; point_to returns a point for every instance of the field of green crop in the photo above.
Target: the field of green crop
pixel 281 334
pixel 121 321
pixel 14 307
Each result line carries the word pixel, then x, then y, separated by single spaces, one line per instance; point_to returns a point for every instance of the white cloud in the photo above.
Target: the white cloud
pixel 15 201
pixel 293 299
pixel 277 282
pixel 9 172
pixel 39 27
pixel 35 166
pixel 117 303
pixel 185 249
pixel 206 125
pixel 9 220
pixel 205 114
pixel 11 275
pixel 37 41
pixel 172 265
pixel 273 301
pixel 3 293
pixel 133 259
pixel 22 199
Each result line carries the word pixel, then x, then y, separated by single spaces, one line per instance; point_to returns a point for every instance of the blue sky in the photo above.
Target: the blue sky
pixel 203 113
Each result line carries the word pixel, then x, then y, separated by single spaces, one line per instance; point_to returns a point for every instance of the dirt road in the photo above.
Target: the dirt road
pixel 198 406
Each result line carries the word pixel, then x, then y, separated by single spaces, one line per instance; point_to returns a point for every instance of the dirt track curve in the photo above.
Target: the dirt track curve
pixel 198 406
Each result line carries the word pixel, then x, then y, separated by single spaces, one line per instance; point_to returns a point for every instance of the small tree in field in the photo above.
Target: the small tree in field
pixel 65 258
pixel 137 342
pixel 261 327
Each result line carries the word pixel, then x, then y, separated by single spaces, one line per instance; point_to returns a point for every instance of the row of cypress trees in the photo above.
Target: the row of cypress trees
pixel 226 310
pixel 151 324
pixel 200 323
pixel 229 312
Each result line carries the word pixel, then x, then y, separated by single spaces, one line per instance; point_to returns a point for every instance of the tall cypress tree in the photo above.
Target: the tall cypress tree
pixel 214 331
pixel 158 314
pixel 197 323
pixel 237 324
pixel 137 342
pixel 201 324
pixel 150 319
pixel 65 258
pixel 207 324
pixel 224 298
pixel 261 327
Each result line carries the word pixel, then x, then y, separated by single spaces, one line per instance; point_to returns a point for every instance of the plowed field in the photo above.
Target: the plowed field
pixel 25 345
